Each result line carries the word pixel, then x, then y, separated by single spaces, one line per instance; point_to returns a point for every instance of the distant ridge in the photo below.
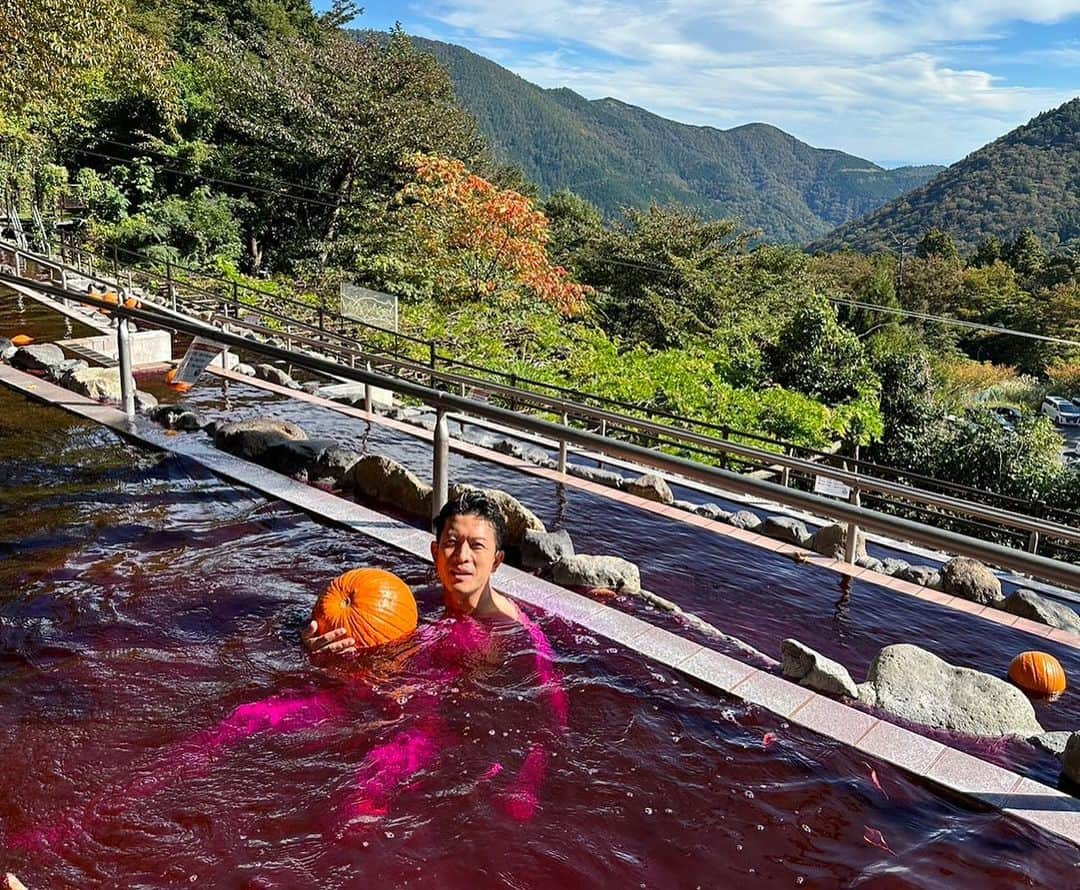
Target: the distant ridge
pixel 618 155
pixel 1027 179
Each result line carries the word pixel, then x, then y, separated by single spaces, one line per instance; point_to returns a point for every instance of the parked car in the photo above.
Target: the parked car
pixel 1061 410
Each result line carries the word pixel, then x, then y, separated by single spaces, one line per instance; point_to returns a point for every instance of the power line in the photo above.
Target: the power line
pixel 215 180
pixel 893 310
pixel 280 182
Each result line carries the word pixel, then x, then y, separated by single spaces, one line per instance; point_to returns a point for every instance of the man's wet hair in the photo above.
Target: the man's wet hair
pixel 473 503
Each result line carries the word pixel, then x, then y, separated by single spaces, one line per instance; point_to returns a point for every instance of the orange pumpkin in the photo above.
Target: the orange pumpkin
pixel 132 303
pixel 375 606
pixel 21 340
pixel 1038 672
pixel 179 387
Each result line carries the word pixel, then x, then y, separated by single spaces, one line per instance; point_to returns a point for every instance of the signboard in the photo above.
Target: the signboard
pixel 199 354
pixel 369 306
pixel 832 487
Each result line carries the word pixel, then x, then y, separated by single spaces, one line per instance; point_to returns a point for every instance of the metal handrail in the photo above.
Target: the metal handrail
pixel 686 438
pixel 1048 569
pixel 855 481
pixel 1032 507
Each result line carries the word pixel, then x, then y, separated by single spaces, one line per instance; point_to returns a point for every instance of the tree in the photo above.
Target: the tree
pixel 937 243
pixel 988 253
pixel 484 242
pixel 816 355
pixel 1025 254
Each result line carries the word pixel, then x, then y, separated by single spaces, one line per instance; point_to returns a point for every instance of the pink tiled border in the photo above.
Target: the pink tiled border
pixel 1008 792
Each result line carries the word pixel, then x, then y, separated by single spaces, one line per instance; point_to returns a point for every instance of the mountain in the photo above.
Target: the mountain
pixel 1027 179
pixel 618 155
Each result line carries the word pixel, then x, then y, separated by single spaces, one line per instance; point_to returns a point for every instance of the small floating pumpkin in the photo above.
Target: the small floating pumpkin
pixel 1038 673
pixel 22 340
pixel 375 606
pixel 132 303
pixel 170 376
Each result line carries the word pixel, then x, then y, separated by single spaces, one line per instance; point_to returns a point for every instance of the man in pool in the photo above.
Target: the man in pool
pixel 472 638
pixel 467 551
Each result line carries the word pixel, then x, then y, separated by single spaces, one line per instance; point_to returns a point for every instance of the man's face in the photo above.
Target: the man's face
pixel 465 556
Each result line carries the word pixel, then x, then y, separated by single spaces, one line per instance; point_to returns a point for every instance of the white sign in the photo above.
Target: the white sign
pixel 199 354
pixel 369 306
pixel 832 487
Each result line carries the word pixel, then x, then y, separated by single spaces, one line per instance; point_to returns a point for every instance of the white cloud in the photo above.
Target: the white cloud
pixel 870 76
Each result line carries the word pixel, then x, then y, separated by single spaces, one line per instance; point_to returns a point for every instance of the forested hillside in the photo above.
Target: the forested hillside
pixel 1027 179
pixel 258 141
pixel 617 155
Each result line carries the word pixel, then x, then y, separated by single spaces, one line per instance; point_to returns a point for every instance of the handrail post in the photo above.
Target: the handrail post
pixel 116 267
pixel 367 392
pixel 431 361
pixel 440 480
pixel 18 271
pixel 127 379
pixel 1033 542
pixel 852 534
pixel 562 445
pixel 236 300
pixel 169 291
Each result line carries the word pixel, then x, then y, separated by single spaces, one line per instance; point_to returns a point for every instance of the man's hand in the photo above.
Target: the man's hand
pixel 334 643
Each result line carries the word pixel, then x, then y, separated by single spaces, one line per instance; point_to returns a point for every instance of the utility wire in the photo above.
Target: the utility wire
pixel 271 179
pixel 860 304
pixel 217 181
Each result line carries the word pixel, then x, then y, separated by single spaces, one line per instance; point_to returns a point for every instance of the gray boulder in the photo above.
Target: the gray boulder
pixel 815 671
pixel 519 518
pixel 311 387
pixel 7 349
pixel 916 685
pixel 144 402
pixel 610 572
pixel 1070 759
pixel 595 474
pixel 831 540
pixel 1028 604
pixel 295 458
pixel 539 550
pixel 713 511
pixel 176 417
pixel 892 566
pixel 869 562
pixel 479 437
pixel 272 374
pixel 388 482
pixel 925 576
pixel 245 369
pixel 745 520
pixel 1052 742
pixel 37 357
pixel 786 529
pixel 651 487
pixel 334 464
pixel 59 372
pixel 971 580
pixel 95 383
pixel 250 438
pixel 686 506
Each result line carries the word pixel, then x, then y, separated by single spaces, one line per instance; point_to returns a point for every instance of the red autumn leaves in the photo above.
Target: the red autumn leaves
pixel 487 242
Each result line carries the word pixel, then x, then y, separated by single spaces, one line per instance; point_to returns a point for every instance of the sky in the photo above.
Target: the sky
pixel 894 81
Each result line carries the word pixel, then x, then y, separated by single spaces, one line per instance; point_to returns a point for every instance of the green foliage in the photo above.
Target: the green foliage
pixel 937 243
pixel 815 355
